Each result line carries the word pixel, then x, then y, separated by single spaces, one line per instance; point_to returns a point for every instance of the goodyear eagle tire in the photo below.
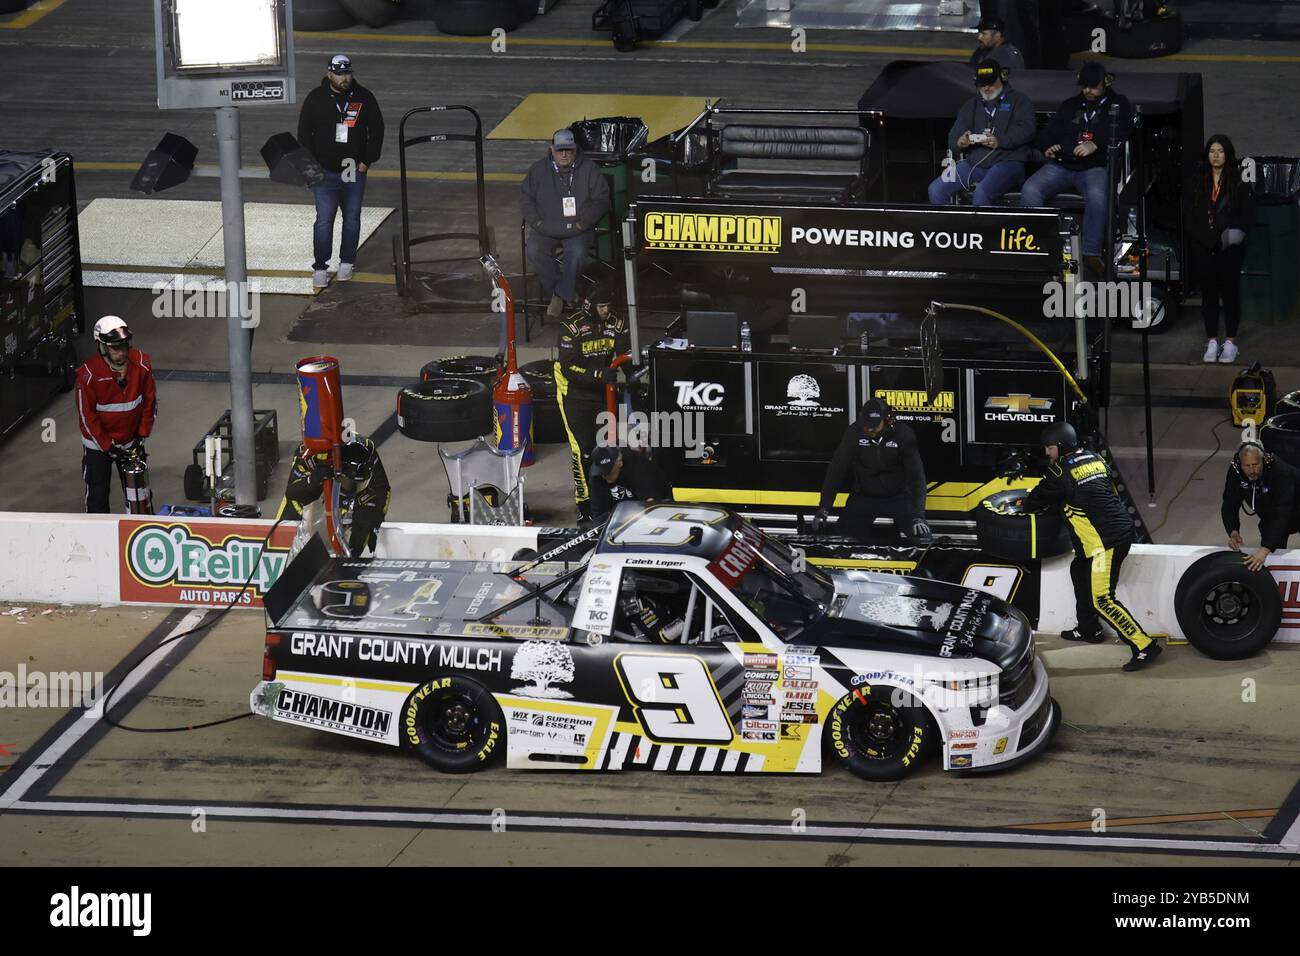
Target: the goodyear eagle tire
pixel 373 13
pixel 548 425
pixel 880 733
pixel 480 368
pixel 1290 402
pixel 320 15
pixel 1227 611
pixel 194 482
pixel 454 724
pixel 444 409
pixel 1008 532
pixel 475 18
pixel 1280 435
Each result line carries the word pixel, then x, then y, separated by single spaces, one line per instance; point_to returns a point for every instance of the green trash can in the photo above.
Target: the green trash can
pixel 607 141
pixel 1270 290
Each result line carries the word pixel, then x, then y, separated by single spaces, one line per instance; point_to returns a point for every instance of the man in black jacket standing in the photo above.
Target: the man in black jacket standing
pixel 1079 483
pixel 562 199
pixel 341 125
pixel 621 474
pixel 1264 486
pixel 1075 143
pixel 888 476
pixel 993 129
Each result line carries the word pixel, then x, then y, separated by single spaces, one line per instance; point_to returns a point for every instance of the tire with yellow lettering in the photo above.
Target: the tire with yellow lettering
pixel 454 724
pixel 880 733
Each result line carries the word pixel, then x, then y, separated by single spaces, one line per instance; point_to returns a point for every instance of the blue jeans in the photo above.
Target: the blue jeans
pixel 1054 178
pixel 991 182
pixel 331 194
pixel 575 252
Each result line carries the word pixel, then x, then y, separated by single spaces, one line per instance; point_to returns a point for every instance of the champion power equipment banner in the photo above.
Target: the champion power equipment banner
pixel 896 239
pixel 201 563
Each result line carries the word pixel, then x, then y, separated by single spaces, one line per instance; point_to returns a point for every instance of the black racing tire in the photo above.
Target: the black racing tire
pixel 881 733
pixel 444 409
pixel 454 724
pixel 1227 611
pixel 1280 435
pixel 373 13
pixel 480 368
pixel 1008 532
pixel 527 9
pixel 317 15
pixel 524 554
pixel 548 424
pixel 1287 404
pixel 193 481
pixel 475 18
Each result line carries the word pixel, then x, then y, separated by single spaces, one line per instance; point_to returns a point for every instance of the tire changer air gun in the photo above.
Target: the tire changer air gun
pixel 320 400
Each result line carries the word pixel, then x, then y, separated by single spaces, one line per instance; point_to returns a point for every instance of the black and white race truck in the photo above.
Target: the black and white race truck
pixel 674 637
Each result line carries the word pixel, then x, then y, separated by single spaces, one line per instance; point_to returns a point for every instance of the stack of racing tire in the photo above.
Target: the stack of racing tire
pixel 451 402
pixel 318 15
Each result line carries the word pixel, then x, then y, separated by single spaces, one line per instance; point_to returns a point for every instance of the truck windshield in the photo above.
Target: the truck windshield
pixel 761 572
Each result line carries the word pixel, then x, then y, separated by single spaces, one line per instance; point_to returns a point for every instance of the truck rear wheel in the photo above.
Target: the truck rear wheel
pixel 880 733
pixel 454 724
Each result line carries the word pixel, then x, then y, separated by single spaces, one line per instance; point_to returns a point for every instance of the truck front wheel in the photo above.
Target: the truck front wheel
pixel 880 733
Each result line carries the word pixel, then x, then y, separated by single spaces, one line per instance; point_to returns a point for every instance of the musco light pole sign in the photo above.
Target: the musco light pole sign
pixel 201 563
pixel 889 238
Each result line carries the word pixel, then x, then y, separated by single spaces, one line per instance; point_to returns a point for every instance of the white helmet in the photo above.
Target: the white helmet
pixel 111 330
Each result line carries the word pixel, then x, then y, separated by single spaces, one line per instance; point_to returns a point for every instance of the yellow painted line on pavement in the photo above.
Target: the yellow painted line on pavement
pixel 1211 817
pixel 32 14
pixel 446 176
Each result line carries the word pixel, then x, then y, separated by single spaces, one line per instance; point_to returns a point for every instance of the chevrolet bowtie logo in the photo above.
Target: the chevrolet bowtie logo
pixel 1018 402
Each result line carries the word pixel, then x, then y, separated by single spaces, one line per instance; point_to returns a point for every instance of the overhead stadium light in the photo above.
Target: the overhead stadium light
pixel 230 34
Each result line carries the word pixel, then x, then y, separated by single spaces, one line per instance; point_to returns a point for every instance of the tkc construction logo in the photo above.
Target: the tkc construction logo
pixel 1018 407
pixel 699 396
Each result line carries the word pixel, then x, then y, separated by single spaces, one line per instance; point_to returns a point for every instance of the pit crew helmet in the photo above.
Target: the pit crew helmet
pixel 359 458
pixel 1062 435
pixel 111 330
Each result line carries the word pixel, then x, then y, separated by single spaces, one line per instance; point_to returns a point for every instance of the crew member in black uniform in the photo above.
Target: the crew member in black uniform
pixel 888 476
pixel 364 492
pixel 589 341
pixel 621 474
pixel 1264 486
pixel 1079 482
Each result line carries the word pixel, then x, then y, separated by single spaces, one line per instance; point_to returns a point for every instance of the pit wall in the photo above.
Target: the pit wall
pixel 112 559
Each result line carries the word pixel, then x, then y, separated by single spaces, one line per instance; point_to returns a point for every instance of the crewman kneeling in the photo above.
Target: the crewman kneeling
pixel 364 493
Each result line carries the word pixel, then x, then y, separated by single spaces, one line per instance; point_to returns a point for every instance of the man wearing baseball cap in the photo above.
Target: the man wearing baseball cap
pixel 563 198
pixel 993 45
pixel 341 125
pixel 992 134
pixel 621 474
pixel 888 476
pixel 1075 143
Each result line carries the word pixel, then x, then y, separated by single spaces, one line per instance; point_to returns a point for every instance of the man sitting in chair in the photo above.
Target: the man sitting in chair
pixel 994 130
pixel 562 199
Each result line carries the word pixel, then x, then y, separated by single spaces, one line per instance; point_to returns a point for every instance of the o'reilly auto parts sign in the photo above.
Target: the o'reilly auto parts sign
pixel 202 563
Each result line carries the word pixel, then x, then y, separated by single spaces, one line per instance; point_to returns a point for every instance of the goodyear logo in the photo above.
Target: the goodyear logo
pixel 708 232
pixel 915 401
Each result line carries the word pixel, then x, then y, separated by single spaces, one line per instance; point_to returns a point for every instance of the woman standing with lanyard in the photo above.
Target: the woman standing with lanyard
pixel 1219 214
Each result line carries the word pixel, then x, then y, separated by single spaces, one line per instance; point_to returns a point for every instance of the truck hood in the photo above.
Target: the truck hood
pixel 908 615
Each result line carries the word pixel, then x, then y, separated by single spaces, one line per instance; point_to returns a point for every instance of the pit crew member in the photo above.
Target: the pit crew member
pixel 1261 485
pixel 364 493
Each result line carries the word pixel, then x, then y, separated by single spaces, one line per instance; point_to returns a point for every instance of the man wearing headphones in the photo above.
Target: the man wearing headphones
pixel 1265 486
pixel 888 476
pixel 1075 142
pixel 994 130
pixel 1078 481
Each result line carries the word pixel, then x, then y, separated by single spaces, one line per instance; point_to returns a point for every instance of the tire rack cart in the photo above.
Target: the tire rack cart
pixel 415 285
pixel 266 442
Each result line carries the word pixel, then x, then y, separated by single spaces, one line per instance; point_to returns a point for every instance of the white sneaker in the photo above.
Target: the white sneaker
pixel 1212 351
pixel 320 279
pixel 1229 353
pixel 345 271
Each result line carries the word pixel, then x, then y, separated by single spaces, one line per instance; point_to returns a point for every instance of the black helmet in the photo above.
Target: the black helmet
pixel 359 457
pixel 600 293
pixel 1060 434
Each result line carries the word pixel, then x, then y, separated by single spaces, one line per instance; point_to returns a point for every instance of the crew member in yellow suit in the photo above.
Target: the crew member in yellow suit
pixel 1079 482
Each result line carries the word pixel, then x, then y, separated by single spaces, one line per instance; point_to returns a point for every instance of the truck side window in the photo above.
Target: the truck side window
pixel 671 607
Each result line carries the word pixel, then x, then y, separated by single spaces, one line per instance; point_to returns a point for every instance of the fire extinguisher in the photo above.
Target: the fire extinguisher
pixel 320 400
pixel 512 397
pixel 134 472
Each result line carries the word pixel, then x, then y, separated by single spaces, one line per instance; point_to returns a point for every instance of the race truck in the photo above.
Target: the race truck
pixel 672 637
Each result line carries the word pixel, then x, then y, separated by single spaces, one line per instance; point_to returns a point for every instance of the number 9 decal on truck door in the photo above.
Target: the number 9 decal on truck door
pixel 674 698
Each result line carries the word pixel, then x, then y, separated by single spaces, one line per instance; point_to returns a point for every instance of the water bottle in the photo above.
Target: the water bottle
pixel 746 342
pixel 863 342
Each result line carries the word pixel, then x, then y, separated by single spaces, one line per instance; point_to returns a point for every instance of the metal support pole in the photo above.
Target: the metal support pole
pixel 629 267
pixel 238 337
pixel 1148 305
